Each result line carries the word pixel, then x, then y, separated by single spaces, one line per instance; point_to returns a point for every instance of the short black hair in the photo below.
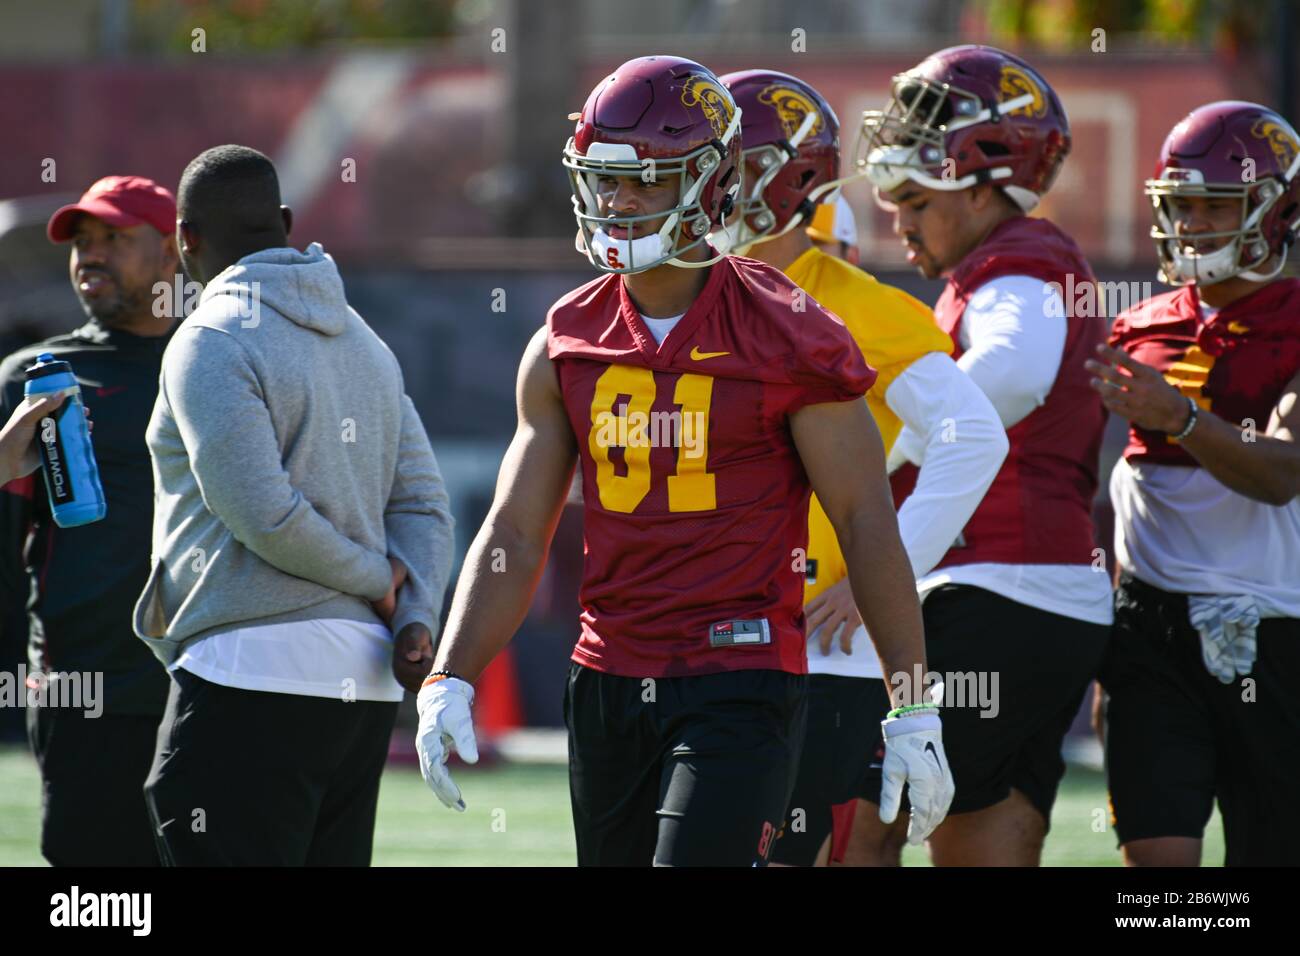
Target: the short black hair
pixel 231 192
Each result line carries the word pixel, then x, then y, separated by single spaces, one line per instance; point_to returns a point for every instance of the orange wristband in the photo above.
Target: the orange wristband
pixel 440 675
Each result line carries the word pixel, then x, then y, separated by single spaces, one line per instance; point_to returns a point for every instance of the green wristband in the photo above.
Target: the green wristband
pixel 911 709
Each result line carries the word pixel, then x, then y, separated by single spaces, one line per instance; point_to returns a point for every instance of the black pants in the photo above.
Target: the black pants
pixel 1177 739
pixel 681 771
pixel 1007 734
pixel 842 740
pixel 93 811
pixel 252 778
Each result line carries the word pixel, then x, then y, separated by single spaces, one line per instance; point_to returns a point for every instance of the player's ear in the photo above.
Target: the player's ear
pixel 981 196
pixel 187 237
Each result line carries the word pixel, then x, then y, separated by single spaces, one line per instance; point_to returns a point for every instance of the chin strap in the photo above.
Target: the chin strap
pixel 722 226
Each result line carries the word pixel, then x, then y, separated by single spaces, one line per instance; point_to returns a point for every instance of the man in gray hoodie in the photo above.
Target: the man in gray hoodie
pixel 300 522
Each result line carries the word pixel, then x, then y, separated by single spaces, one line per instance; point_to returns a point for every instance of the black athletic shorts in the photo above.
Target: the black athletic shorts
pixel 1014 678
pixel 841 741
pixel 254 778
pixel 1176 738
pixel 93 771
pixel 681 771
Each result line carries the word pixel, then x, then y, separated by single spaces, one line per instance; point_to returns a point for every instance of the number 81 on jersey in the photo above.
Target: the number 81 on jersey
pixel 635 429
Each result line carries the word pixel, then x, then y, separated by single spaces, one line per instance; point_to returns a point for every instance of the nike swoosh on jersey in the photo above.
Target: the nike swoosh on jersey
pixel 699 356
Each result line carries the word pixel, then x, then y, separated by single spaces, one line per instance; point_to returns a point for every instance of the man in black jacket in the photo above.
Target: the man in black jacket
pixel 80 584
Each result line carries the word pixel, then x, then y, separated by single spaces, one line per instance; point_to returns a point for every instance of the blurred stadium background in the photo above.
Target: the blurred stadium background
pixel 419 141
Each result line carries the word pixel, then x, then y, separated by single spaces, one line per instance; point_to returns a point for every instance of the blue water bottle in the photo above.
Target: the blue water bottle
pixel 71 475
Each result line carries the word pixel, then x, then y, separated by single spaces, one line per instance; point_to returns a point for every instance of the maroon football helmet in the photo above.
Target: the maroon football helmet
pixel 791 134
pixel 1231 150
pixel 654 117
pixel 966 115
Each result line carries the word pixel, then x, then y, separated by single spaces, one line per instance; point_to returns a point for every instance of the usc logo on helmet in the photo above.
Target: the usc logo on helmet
pixel 1016 82
pixel 611 256
pixel 716 102
pixel 791 106
pixel 1279 140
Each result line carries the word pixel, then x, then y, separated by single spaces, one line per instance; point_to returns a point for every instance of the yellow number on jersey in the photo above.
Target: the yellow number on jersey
pixel 622 492
pixel 692 488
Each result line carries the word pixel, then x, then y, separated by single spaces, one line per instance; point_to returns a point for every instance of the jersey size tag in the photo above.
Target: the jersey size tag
pixel 731 633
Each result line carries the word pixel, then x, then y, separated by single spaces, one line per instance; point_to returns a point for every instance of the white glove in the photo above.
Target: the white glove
pixel 445 722
pixel 1227 624
pixel 914 756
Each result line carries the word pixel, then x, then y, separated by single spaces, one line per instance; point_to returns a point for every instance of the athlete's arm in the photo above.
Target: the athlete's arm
pixel 965 445
pixel 1015 327
pixel 501 569
pixel 505 562
pixel 840 447
pixel 1264 467
pixel 841 451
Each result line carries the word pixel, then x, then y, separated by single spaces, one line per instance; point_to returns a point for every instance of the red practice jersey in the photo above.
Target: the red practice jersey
pixel 1039 507
pixel 695 500
pixel 1235 364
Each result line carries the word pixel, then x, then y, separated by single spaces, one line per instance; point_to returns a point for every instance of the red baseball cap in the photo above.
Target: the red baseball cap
pixel 119 201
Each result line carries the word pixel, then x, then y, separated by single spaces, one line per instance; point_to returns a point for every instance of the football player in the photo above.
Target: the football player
pixel 1019 608
pixel 701 409
pixel 1205 658
pixel 792 156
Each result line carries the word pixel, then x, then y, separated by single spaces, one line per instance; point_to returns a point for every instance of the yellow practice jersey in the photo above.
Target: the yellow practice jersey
pixel 893 330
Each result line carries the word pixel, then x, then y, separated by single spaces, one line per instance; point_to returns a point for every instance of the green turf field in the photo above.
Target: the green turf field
pixel 519 816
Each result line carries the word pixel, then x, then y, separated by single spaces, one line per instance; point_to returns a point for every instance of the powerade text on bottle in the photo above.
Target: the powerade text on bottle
pixel 71 475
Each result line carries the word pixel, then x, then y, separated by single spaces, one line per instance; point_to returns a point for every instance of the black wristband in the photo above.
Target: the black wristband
pixel 446 674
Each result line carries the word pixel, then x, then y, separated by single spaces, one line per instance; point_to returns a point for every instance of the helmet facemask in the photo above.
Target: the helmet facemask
pixel 1247 249
pixel 687 223
pixel 907 140
pixel 756 221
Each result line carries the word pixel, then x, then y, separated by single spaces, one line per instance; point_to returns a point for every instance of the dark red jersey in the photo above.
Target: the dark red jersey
pixel 1039 508
pixel 1235 364
pixel 695 500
